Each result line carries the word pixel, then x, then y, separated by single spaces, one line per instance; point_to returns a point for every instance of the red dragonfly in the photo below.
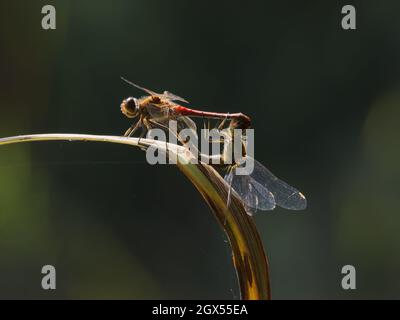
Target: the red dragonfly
pixel 157 109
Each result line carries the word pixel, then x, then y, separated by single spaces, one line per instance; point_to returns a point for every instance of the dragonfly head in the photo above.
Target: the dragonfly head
pixel 130 107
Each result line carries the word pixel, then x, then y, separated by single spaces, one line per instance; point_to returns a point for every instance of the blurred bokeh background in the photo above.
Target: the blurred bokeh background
pixel 325 104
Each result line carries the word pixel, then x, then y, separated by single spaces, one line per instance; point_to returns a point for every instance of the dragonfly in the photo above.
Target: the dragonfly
pixel 261 189
pixel 157 109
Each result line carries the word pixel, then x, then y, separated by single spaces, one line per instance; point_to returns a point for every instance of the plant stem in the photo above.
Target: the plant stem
pixel 248 253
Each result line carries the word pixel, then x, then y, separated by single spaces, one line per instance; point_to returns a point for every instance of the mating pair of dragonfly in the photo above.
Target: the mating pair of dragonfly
pixel 260 190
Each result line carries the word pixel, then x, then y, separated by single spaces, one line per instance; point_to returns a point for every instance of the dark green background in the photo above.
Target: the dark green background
pixel 325 105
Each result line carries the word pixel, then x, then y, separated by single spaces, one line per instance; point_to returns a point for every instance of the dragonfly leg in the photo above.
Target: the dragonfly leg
pixel 157 124
pixel 160 125
pixel 144 130
pixel 206 129
pixel 221 124
pixel 132 129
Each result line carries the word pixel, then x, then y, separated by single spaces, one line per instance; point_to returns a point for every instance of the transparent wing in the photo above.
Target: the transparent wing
pixel 163 113
pixel 285 196
pixel 152 93
pixel 173 97
pixel 189 123
pixel 166 95
pixel 253 194
pixel 160 115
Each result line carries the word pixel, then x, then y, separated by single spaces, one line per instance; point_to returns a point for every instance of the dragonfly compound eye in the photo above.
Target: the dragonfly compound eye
pixel 130 107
